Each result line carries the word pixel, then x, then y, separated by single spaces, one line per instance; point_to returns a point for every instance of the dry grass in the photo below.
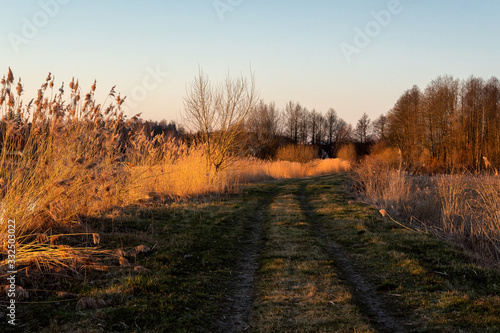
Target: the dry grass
pixel 296 153
pixel 253 170
pixel 348 153
pixel 462 208
pixel 471 212
pixel 60 160
pixel 65 158
pixel 298 288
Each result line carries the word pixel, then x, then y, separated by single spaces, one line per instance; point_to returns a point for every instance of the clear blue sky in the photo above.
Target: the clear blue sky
pixel 294 47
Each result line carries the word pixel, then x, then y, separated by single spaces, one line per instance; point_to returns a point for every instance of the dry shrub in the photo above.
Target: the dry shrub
pixel 383 185
pixel 348 153
pixel 388 155
pixel 296 153
pixel 471 212
pixel 64 158
pixel 461 208
pixel 253 170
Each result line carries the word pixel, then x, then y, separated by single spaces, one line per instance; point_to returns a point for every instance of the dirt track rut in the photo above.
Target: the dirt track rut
pixel 242 296
pixel 364 295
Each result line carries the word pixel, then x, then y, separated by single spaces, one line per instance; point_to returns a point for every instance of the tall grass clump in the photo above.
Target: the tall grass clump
pixel 172 169
pixel 471 212
pixel 60 160
pixel 348 153
pixel 461 208
pixel 296 153
pixel 65 158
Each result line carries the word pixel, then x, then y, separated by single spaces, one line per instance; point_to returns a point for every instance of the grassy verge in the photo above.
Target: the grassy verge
pixel 179 265
pixel 460 207
pixel 431 285
pixel 193 251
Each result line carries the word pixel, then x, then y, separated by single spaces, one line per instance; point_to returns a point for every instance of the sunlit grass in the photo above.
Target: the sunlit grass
pixel 299 289
pixel 66 159
pixel 432 285
pixel 462 208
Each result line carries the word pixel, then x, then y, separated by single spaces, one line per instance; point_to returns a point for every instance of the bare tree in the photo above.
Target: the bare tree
pixel 304 116
pixel 313 125
pixel 321 132
pixel 332 124
pixel 380 128
pixel 492 120
pixel 217 114
pixel 405 127
pixel 473 120
pixel 265 121
pixel 344 134
pixel 363 129
pixel 264 124
pixel 440 104
pixel 292 116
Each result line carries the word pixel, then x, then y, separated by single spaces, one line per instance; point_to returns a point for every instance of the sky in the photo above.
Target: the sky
pixel 355 56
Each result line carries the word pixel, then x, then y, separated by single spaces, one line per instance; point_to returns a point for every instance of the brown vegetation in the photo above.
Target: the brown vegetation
pixel 462 208
pixel 296 153
pixel 65 158
pixel 450 125
pixel 348 153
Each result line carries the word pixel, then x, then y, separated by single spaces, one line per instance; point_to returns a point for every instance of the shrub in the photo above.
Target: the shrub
pixel 388 155
pixel 348 153
pixel 462 208
pixel 296 153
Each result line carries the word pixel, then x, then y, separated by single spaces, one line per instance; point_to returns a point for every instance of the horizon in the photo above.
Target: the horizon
pixel 353 57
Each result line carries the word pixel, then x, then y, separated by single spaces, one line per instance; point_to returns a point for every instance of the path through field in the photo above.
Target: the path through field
pixel 291 256
pixel 306 282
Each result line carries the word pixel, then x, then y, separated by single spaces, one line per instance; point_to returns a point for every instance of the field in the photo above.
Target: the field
pixel 109 226
pixel 250 166
pixel 462 207
pixel 291 256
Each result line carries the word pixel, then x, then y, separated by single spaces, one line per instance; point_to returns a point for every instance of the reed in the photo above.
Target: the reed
pixel 64 158
pixel 462 208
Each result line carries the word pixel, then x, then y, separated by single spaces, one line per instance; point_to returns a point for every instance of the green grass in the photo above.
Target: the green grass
pixel 428 285
pixel 298 289
pixel 195 248
pixel 433 286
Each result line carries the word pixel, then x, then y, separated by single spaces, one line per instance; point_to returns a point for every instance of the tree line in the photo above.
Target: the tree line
pixel 297 124
pixel 450 124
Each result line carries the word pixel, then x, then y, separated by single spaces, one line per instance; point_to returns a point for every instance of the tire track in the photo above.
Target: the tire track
pixel 363 293
pixel 242 294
